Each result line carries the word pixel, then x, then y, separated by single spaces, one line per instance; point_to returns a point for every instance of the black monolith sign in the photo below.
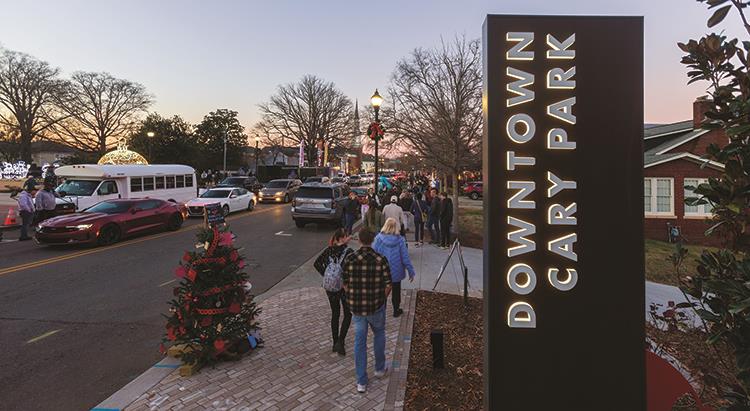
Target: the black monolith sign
pixel 563 244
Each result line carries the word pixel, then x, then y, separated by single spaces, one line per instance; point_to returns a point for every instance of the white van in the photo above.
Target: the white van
pixel 88 184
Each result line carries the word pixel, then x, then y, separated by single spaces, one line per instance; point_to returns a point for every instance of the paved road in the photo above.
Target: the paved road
pixel 76 324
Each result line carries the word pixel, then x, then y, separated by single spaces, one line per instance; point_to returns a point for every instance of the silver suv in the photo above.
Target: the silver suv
pixel 319 203
pixel 282 190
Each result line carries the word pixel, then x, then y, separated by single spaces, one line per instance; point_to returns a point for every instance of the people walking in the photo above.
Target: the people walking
pixel 351 207
pixel 26 210
pixel 433 222
pixel 367 283
pixel 419 209
pixel 446 219
pixel 329 264
pixel 373 220
pixel 395 212
pixel 390 244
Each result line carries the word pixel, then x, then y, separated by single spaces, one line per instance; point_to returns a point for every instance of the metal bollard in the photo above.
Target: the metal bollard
pixel 436 339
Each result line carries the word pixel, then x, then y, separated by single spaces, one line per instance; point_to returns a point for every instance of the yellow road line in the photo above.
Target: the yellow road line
pixel 82 253
pixel 45 335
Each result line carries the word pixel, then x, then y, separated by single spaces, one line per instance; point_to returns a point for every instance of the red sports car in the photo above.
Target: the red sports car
pixel 109 221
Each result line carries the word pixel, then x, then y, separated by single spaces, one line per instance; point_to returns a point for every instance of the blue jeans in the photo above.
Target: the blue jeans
pixel 377 322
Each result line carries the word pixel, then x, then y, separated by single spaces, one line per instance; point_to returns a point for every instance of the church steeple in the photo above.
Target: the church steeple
pixel 356 135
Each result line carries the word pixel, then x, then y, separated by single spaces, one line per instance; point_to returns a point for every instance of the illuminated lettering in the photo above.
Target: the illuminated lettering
pixel 563 110
pixel 525 188
pixel 521 315
pixel 518 51
pixel 526 123
pixel 558 185
pixel 558 78
pixel 513 161
pixel 563 285
pixel 557 139
pixel 519 237
pixel 518 87
pixel 559 215
pixel 563 246
pixel 561 50
pixel 521 279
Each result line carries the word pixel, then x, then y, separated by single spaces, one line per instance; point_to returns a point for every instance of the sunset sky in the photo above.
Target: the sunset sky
pixel 196 56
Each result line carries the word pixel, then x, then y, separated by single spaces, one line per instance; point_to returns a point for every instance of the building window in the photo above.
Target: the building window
pixel 658 196
pixel 695 210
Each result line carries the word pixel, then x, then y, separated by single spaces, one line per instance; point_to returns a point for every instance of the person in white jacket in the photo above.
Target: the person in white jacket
pixel 395 212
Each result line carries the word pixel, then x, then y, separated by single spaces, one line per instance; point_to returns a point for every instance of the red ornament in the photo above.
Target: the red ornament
pixel 235 308
pixel 219 345
pixel 191 274
pixel 186 257
pixel 180 272
pixel 170 334
pixel 233 255
pixel 162 349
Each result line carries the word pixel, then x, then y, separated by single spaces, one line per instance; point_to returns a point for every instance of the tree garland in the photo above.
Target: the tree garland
pixel 375 131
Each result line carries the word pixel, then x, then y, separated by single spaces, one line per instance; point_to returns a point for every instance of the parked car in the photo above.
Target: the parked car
pixel 473 190
pixel 111 220
pixel 281 190
pixel 317 179
pixel 355 180
pixel 231 199
pixel 249 183
pixel 319 203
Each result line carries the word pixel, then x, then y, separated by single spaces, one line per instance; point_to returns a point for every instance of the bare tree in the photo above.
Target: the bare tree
pixel 28 90
pixel 308 111
pixel 100 109
pixel 438 93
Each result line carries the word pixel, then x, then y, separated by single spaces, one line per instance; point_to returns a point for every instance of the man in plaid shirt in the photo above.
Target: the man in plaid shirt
pixel 367 282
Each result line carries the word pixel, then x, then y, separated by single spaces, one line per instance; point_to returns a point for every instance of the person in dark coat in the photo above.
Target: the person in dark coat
pixel 419 210
pixel 351 208
pixel 433 221
pixel 446 219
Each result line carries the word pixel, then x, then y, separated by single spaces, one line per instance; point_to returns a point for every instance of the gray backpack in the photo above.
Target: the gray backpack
pixel 332 277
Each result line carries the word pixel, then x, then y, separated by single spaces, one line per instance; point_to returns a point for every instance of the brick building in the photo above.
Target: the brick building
pixel 673 159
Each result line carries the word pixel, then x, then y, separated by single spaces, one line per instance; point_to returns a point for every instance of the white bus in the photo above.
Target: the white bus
pixel 88 184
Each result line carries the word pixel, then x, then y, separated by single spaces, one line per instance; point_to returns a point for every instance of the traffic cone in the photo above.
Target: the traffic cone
pixel 10 219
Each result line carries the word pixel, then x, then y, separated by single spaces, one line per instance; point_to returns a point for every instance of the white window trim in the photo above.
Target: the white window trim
pixel 701 180
pixel 662 214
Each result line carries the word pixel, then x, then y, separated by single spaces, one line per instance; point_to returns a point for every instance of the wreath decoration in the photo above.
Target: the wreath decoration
pixel 375 131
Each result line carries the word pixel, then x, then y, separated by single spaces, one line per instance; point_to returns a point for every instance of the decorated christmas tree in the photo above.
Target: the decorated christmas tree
pixel 213 316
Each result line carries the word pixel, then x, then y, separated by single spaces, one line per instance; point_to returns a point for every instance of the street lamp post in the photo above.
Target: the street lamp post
pixel 376 101
pixel 150 136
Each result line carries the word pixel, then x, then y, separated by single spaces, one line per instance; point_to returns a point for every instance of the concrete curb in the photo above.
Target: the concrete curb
pixel 396 391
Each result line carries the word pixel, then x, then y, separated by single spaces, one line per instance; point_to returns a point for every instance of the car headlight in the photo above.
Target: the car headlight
pixel 81 226
pixel 279 193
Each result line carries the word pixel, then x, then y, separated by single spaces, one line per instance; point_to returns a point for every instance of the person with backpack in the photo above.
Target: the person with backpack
pixel 390 244
pixel 329 265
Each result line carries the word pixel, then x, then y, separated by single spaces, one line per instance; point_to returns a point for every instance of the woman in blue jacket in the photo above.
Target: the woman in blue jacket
pixel 390 244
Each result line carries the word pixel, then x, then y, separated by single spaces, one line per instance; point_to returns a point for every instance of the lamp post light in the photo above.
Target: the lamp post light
pixel 257 140
pixel 150 136
pixel 376 101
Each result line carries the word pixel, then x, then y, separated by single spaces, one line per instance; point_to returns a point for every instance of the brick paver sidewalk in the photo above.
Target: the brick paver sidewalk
pixel 295 370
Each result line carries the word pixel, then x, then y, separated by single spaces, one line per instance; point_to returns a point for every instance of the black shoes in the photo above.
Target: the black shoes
pixel 338 347
pixel 397 313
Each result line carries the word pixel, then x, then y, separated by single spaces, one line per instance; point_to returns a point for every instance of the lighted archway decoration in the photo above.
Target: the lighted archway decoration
pixel 121 155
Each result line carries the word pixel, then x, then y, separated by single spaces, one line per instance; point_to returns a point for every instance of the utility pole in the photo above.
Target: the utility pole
pixel 226 133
